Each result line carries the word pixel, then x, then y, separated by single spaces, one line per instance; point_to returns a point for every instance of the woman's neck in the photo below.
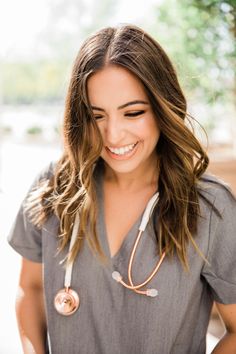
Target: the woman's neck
pixel 145 177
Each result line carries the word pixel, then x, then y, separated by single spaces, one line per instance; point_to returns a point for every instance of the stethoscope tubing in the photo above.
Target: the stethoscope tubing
pixel 67 300
pixel 69 266
pixel 147 214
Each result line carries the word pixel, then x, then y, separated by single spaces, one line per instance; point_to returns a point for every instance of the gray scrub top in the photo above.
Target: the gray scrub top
pixel 114 320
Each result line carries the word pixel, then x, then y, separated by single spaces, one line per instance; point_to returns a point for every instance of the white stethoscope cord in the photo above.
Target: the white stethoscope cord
pixel 66 301
pixel 69 267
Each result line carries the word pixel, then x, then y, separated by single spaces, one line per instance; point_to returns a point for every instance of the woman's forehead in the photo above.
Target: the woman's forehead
pixel 115 84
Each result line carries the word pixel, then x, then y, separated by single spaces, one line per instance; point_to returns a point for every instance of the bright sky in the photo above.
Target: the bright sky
pixel 21 21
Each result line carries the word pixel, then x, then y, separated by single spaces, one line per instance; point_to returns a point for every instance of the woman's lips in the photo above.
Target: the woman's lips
pixel 124 156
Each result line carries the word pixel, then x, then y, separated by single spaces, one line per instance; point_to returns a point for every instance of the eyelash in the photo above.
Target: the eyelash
pixel 133 114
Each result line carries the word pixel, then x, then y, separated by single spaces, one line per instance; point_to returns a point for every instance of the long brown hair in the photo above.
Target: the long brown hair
pixel 182 160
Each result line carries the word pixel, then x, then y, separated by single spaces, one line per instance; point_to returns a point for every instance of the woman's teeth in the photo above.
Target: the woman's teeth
pixel 123 150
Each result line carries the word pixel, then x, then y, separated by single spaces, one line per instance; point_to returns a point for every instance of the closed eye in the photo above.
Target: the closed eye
pixel 134 114
pixel 130 114
pixel 97 117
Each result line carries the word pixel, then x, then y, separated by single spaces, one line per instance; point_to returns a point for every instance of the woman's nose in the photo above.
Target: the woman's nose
pixel 114 131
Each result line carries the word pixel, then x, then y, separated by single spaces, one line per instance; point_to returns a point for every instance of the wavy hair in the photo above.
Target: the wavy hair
pixel 182 160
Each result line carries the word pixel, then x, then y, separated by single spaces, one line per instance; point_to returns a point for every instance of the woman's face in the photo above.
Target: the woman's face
pixel 125 119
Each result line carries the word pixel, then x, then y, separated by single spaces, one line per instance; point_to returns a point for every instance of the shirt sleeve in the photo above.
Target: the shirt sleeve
pixel 24 237
pixel 220 273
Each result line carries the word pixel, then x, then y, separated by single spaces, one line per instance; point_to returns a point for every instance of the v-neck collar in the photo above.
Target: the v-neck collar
pixel 128 241
pixel 126 247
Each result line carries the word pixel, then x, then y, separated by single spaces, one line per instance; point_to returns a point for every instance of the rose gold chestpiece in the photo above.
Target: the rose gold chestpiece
pixel 66 301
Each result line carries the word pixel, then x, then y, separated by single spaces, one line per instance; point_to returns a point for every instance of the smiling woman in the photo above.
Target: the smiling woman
pixel 129 193
pixel 126 122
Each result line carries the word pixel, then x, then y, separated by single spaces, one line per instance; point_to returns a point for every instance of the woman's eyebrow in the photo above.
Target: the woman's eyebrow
pixel 122 106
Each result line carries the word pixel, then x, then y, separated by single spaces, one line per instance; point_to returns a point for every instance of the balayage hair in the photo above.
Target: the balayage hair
pixel 182 160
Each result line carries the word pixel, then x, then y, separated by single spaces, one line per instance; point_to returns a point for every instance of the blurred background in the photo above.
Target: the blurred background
pixel 38 43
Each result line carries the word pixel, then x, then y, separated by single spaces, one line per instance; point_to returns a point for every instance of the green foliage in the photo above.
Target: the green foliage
pixel 43 80
pixel 34 130
pixel 200 38
pixel 25 83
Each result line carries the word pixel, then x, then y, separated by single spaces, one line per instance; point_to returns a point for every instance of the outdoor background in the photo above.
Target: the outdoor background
pixel 38 43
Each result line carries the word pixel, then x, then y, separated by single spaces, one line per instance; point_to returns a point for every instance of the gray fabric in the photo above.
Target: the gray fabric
pixel 113 319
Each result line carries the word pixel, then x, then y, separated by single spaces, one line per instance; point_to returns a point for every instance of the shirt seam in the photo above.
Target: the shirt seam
pixel 213 275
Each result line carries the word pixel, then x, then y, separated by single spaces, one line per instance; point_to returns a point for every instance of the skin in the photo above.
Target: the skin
pixel 109 91
pixel 130 181
pixel 125 118
pixel 227 345
pixel 30 309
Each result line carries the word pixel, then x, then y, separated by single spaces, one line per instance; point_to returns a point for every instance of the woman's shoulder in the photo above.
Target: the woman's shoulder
pixel 41 181
pixel 217 191
pixel 47 172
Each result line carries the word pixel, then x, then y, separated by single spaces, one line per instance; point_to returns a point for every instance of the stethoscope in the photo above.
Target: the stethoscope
pixel 67 301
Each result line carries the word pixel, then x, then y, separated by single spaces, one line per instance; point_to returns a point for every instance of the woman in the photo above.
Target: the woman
pixel 125 144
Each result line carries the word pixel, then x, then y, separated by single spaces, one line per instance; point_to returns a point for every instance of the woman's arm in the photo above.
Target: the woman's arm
pixel 30 309
pixel 227 345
